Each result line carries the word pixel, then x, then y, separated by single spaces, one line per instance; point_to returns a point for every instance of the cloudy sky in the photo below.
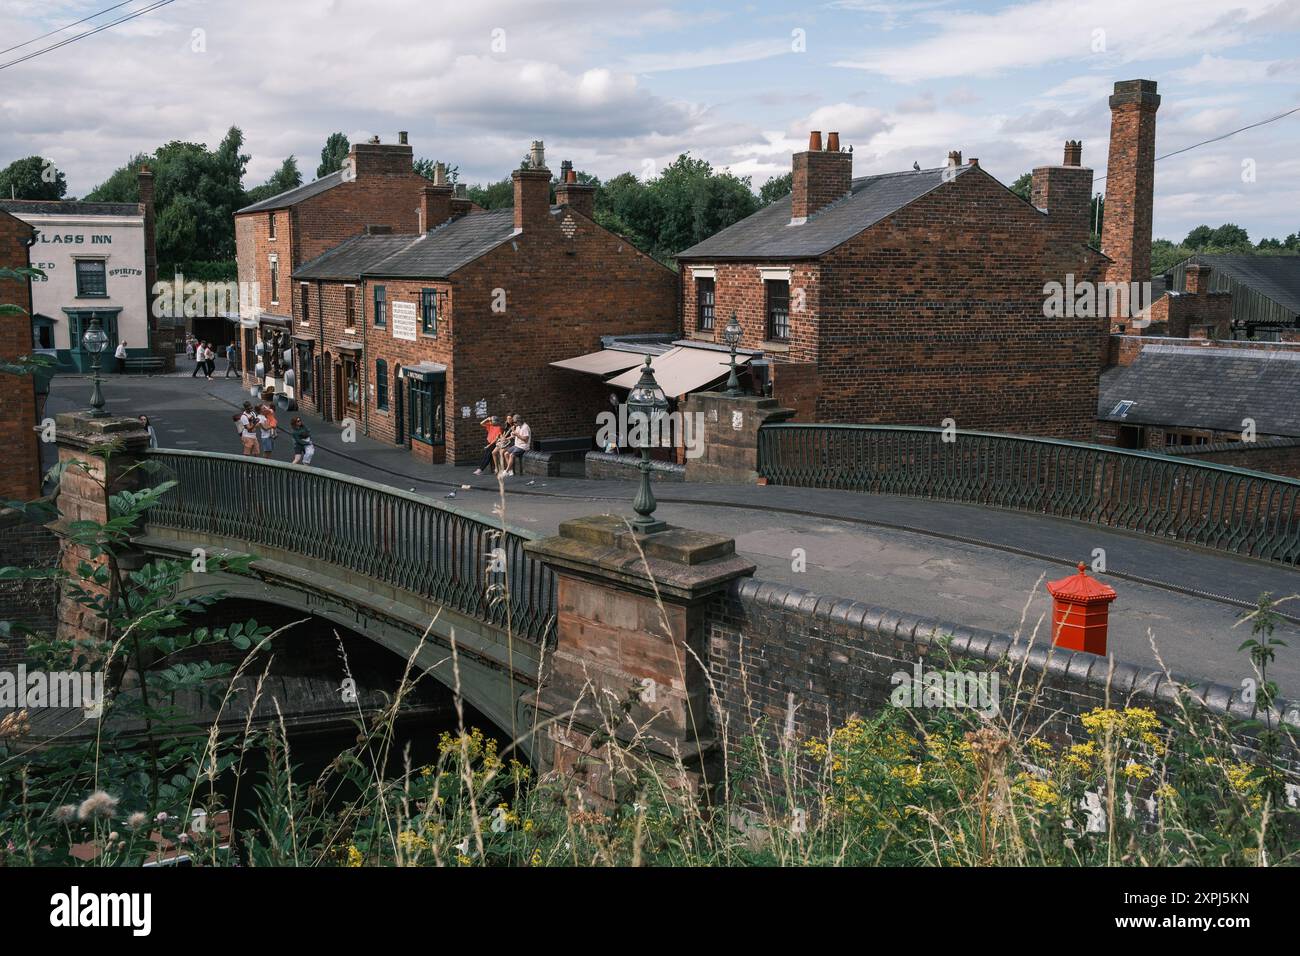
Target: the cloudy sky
pixel 616 85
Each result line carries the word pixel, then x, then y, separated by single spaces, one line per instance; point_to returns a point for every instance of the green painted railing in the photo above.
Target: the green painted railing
pixel 438 552
pixel 1214 506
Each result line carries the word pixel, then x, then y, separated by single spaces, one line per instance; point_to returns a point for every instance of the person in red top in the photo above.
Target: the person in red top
pixel 493 426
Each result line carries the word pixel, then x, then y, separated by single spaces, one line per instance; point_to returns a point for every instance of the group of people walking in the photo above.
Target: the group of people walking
pixel 205 358
pixel 507 443
pixel 258 430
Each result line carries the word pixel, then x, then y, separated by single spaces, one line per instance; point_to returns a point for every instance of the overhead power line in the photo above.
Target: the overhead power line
pixel 19 46
pixel 81 36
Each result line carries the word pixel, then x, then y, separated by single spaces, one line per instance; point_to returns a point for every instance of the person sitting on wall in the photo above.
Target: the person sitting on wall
pixel 522 443
pixel 494 431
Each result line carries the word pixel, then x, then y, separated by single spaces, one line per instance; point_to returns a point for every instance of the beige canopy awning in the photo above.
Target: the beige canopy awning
pixel 682 370
pixel 602 363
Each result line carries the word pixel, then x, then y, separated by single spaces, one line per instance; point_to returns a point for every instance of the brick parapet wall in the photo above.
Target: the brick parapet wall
pixel 32 604
pixel 836 656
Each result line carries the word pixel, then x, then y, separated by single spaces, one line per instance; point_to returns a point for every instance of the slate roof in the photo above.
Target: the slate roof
pixel 768 234
pixel 296 195
pixel 1192 386
pixel 39 207
pixel 434 255
pixel 1274 277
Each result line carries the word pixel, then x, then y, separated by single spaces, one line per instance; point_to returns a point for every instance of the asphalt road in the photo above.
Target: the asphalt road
pixel 982 567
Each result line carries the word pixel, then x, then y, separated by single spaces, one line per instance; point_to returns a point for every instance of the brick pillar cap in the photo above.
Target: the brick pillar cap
pixel 1081 589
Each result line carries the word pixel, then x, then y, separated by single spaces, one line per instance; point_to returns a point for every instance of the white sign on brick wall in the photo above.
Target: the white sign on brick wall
pixel 404 321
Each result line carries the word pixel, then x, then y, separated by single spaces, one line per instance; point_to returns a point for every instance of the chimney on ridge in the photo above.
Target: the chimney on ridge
pixel 821 176
pixel 435 200
pixel 1196 278
pixel 1130 181
pixel 381 159
pixel 532 190
pixel 580 197
pixel 1065 193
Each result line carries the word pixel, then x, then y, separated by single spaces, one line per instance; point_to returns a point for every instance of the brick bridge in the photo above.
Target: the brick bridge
pixel 560 641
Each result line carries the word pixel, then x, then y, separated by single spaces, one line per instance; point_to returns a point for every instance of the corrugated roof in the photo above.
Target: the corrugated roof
pixel 40 207
pixel 1274 277
pixel 296 195
pixel 769 234
pixel 1206 387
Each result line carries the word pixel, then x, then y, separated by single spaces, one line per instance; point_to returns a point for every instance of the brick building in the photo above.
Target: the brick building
pixel 910 297
pixel 20 468
pixel 377 189
pixel 417 337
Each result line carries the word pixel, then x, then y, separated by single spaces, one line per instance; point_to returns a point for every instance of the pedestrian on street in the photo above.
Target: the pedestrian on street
pixel 153 435
pixel 266 429
pixel 189 346
pixel 230 359
pixel 120 355
pixel 303 447
pixel 198 359
pixel 209 360
pixel 246 421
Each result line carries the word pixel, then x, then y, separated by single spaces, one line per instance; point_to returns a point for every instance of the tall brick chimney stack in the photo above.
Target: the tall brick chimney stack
pixel 532 190
pixel 1130 181
pixel 821 176
pixel 1065 193
pixel 435 201
pixel 579 197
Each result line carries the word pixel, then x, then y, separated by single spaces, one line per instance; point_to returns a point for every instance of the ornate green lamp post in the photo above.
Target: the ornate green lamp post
pixel 731 335
pixel 95 341
pixel 648 403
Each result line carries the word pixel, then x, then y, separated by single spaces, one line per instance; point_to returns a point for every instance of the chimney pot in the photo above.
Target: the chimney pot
pixel 974 162
pixel 819 177
pixel 537 155
pixel 1073 153
pixel 815 141
pixel 401 137
pixel 954 158
pixel 833 142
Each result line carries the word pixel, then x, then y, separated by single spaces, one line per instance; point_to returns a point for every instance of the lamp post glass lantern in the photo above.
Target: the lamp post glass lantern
pixel 95 341
pixel 646 401
pixel 731 335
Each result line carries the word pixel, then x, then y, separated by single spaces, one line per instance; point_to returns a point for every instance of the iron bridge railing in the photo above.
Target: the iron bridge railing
pixel 438 552
pixel 1214 506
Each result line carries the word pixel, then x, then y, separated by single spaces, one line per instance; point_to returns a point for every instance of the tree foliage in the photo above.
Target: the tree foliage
pixel 197 191
pixel 32 177
pixel 332 154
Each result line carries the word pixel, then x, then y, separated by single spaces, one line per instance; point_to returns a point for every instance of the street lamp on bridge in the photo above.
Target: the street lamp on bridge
pixel 646 400
pixel 95 341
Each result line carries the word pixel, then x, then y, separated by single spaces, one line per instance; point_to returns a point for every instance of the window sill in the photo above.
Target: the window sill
pixel 704 336
pixel 91 295
pixel 775 346
pixel 349 331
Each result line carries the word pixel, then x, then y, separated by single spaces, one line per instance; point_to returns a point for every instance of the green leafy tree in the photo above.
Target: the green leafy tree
pixel 498 195
pixel 197 191
pixel 1199 237
pixel 32 177
pixel 286 177
pixel 425 168
pixel 332 154
pixel 778 187
pixel 1023 186
pixel 1229 236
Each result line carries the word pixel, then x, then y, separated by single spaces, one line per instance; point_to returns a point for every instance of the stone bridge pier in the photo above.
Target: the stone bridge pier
pixel 631 658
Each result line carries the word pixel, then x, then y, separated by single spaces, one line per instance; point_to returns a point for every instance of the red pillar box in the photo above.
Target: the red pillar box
pixel 1080 611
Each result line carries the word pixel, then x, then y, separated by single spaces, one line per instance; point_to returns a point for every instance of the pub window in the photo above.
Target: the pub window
pixel 271 226
pixel 91 280
pixel 381 385
pixel 429 311
pixel 778 310
pixel 704 303
pixel 381 305
pixel 275 280
pixel 304 291
pixel 350 306
pixel 427 399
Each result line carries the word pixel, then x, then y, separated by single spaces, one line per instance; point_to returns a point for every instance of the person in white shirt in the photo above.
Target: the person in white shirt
pixel 200 360
pixel 522 444
pixel 120 355
pixel 247 423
